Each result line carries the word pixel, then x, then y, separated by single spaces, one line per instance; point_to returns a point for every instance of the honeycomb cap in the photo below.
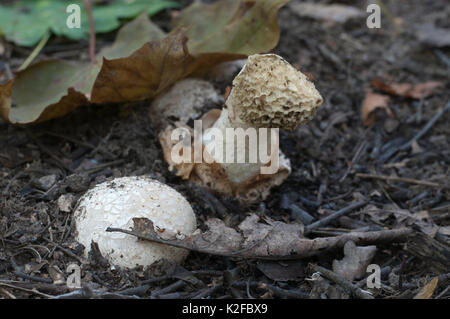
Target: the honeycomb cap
pixel 269 92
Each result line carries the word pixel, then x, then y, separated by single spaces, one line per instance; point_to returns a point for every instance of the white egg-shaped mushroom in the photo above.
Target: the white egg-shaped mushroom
pixel 116 203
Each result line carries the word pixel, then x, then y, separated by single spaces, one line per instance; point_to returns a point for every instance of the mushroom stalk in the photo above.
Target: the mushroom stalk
pixel 268 94
pixel 246 150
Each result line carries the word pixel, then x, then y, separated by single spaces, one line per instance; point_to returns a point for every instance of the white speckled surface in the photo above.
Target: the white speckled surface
pixel 116 203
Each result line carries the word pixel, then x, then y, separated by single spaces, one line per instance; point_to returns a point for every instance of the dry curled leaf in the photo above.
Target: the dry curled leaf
pixel 372 102
pixel 282 271
pixel 408 90
pixel 427 291
pixel 354 264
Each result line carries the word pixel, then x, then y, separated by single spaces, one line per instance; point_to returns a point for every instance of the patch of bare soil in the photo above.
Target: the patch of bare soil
pixel 336 162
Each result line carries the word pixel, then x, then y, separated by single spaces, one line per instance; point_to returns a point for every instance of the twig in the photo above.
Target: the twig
pixel 326 220
pixel 194 272
pixel 207 292
pixel 102 166
pixel 426 128
pixel 171 288
pixel 35 52
pixel 388 14
pixel 31 291
pixel 300 249
pixel 85 144
pixel 400 179
pixel 88 6
pixel 342 282
pixel 416 137
pixel 7 294
pixel 283 293
pixel 66 251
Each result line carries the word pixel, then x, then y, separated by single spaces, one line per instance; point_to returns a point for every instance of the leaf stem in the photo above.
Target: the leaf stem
pixel 35 52
pixel 88 6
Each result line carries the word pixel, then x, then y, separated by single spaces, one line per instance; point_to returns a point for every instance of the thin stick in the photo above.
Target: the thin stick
pixel 302 248
pixel 342 282
pixel 35 52
pixel 88 6
pixel 66 251
pixel 400 179
pixel 388 14
pixel 31 291
pixel 326 220
pixel 421 133
pixel 426 128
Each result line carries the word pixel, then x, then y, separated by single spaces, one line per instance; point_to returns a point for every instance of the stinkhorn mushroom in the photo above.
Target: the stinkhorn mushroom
pixel 116 203
pixel 267 94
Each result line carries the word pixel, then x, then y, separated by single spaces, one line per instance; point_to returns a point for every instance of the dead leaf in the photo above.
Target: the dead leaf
pixel 408 90
pixel 354 264
pixel 282 271
pixel 53 88
pixel 150 70
pixel 403 218
pixel 372 102
pixel 429 34
pixel 142 62
pixel 427 291
pixel 337 13
pixel 232 26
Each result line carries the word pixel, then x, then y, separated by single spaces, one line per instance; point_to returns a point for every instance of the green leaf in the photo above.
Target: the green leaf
pixel 27 21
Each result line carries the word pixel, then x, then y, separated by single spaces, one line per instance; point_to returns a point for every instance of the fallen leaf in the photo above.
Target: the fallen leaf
pixel 282 271
pixel 408 90
pixel 53 88
pixel 153 68
pixel 140 67
pixel 429 34
pixel 354 264
pixel 372 102
pixel 232 26
pixel 27 21
pixel 403 218
pixel 427 291
pixel 335 12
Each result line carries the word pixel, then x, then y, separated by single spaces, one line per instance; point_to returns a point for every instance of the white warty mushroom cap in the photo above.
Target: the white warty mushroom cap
pixel 116 203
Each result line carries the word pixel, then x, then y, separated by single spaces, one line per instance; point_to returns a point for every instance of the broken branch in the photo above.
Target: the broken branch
pixel 274 240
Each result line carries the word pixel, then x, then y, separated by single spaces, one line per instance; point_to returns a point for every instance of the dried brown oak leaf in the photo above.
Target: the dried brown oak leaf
pixel 372 102
pixel 408 90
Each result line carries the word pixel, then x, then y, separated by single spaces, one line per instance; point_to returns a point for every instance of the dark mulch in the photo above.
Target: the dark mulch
pixel 95 144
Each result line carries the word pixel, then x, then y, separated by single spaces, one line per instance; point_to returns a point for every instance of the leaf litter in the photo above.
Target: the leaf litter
pixel 129 72
pixel 133 142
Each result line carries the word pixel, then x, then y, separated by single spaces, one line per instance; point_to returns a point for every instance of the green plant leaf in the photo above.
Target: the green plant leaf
pixel 27 21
